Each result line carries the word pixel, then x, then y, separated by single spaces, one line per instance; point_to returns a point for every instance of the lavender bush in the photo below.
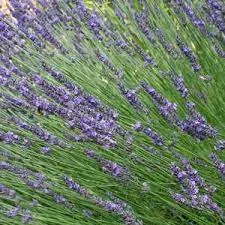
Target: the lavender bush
pixel 112 112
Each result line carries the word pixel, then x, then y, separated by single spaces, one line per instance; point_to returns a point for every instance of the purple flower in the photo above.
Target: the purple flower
pixel 26 217
pixel 189 55
pixel 76 187
pixel 14 211
pixel 219 164
pixel 197 127
pixel 45 150
pixel 220 145
pixel 60 199
pixel 181 175
pixel 179 197
pixel 109 166
pixel 204 199
pixel 180 86
pixel 89 153
pixel 167 109
pixel 216 14
pixel 154 136
pixel 214 207
pixel 7 191
pixel 137 126
pixel 116 206
pixel 131 97
pixel 192 185
pixel 142 20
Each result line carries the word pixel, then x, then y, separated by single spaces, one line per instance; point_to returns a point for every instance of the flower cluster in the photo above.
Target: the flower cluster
pixel 16 102
pixel 169 47
pixel 196 125
pixel 148 59
pixel 216 10
pixel 8 192
pixel 219 164
pixel 178 82
pixel 104 59
pixel 38 131
pixel 26 215
pixel 117 207
pixel 5 76
pixel 32 24
pixel 35 180
pixel 93 20
pixel 166 108
pixel 189 54
pixel 81 110
pixel 9 137
pixel 131 96
pixel 144 25
pixel 220 145
pixel 196 192
pixel 150 133
pixel 110 167
pixel 188 10
pixel 62 62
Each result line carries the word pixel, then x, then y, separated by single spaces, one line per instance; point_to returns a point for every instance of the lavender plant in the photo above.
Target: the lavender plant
pixel 112 112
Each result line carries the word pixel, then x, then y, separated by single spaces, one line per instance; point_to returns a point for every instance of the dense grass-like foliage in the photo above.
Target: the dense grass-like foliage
pixel 112 112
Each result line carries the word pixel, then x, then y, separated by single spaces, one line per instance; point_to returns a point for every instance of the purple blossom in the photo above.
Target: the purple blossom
pixel 154 136
pixel 37 181
pixel 142 20
pixel 167 109
pixel 90 153
pixel 60 199
pixel 137 126
pixel 220 146
pixel 204 199
pixel 118 207
pixel 179 197
pixel 188 10
pixel 197 127
pixel 114 169
pixel 216 14
pixel 178 82
pixel 38 131
pixel 149 61
pixel 192 185
pixel 96 122
pixel 95 24
pixel 92 19
pixel 45 150
pixel 4 190
pixel 191 108
pixel 169 47
pixel 219 164
pixel 26 217
pixel 189 55
pixel 131 96
pixel 76 187
pixel 109 166
pixel 215 207
pixel 14 211
pixel 5 76
pixel 9 137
